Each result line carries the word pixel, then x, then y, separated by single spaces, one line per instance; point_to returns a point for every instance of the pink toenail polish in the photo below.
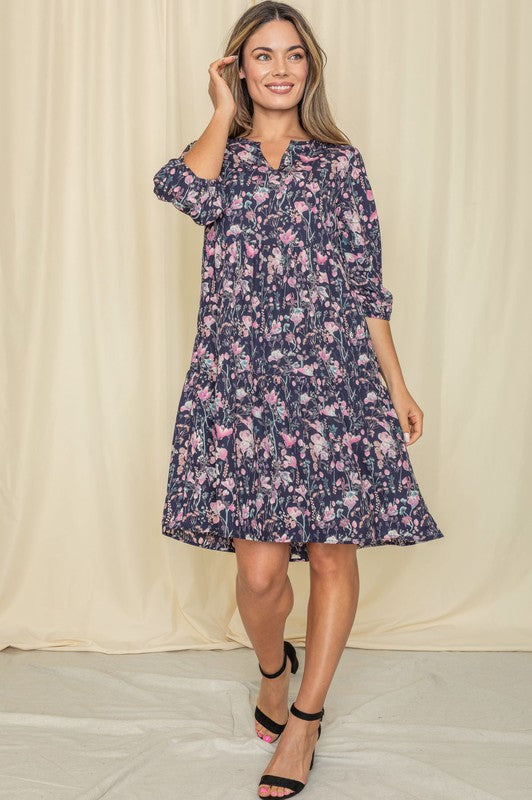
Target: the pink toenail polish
pixel 267 738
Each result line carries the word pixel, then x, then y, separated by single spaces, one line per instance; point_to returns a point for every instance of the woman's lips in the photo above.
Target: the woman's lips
pixel 278 89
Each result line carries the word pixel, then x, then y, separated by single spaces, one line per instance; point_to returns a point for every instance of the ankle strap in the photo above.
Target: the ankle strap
pixel 279 671
pixel 303 714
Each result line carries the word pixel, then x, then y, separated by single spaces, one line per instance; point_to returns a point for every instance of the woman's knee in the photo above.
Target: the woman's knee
pixel 262 566
pixel 331 558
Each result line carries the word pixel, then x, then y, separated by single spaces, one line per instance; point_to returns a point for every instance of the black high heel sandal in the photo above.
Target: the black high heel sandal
pixel 260 716
pixel 291 783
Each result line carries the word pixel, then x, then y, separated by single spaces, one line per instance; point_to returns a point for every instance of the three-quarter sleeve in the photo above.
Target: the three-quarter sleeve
pixel 201 198
pixel 360 238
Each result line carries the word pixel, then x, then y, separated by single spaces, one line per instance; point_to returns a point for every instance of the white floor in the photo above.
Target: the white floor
pixel 398 725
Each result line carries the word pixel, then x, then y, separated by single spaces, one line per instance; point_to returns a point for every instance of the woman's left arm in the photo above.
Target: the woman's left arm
pixel 409 413
pixel 360 240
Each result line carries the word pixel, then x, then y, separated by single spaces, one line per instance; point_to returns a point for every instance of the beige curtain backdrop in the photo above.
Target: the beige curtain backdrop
pixel 100 290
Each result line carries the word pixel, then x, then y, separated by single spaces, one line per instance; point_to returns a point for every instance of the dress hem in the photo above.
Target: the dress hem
pixel 298 550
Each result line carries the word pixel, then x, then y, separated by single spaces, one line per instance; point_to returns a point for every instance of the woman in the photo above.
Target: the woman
pixel 288 442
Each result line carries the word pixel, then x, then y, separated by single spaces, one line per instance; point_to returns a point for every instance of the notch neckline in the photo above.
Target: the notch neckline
pixel 285 155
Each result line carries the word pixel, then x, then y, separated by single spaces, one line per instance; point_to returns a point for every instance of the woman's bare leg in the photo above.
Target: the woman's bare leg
pixel 334 590
pixel 265 598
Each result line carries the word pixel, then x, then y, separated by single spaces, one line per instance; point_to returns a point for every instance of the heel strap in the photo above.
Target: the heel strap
pixel 279 671
pixel 303 714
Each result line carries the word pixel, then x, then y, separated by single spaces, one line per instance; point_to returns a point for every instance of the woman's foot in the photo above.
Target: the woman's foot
pixel 292 756
pixel 273 701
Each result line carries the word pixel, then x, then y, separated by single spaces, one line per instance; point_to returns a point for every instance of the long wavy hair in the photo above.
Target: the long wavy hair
pixel 313 109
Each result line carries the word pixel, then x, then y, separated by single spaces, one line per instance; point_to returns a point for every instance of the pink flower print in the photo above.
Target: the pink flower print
pixel 371 397
pixel 296 315
pixel 194 441
pixel 329 411
pixel 328 514
pixel 334 368
pixel 300 206
pixel 319 446
pixel 290 461
pixel 266 447
pixel 209 320
pixel 288 439
pixel 292 282
pixel 351 438
pixel 287 237
pixel 413 499
pixel 388 537
pixel 271 397
pixel 221 453
pixel 275 355
pixel 247 321
pixel 350 500
pixel 276 327
pixel 204 393
pixel 387 444
pixel 321 258
pixel 306 369
pixel 294 512
pixel 324 354
pixel 236 348
pixel 200 351
pixel 245 442
pixel 221 432
pixel 260 195
pixel 229 484
pixel 251 251
pixel 330 326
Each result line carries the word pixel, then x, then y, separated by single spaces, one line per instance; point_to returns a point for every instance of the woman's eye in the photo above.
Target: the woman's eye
pixel 298 55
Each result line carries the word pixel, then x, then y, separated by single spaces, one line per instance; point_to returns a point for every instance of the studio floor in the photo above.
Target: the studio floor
pixel 398 725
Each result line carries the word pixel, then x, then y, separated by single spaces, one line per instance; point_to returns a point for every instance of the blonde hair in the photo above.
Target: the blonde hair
pixel 313 109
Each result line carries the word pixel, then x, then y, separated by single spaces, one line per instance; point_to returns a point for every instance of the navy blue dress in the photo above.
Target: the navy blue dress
pixel 285 430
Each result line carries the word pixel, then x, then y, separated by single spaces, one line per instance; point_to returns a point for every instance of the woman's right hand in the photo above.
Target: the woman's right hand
pixel 219 92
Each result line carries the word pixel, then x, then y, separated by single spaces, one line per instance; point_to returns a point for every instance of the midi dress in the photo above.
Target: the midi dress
pixel 285 430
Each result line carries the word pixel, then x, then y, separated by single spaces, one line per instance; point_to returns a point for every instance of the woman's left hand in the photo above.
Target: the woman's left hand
pixel 409 413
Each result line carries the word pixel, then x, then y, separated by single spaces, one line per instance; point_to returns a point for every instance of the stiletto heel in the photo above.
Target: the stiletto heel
pixel 291 783
pixel 260 716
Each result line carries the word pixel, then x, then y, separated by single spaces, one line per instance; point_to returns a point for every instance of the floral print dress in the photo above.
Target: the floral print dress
pixel 285 430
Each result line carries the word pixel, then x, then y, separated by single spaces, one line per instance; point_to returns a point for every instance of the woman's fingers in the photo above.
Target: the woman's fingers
pixel 220 63
pixel 415 419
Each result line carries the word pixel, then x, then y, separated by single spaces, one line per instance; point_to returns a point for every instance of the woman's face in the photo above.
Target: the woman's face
pixel 274 54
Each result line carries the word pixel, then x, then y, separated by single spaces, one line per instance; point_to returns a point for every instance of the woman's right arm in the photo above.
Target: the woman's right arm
pixel 194 184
